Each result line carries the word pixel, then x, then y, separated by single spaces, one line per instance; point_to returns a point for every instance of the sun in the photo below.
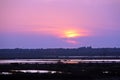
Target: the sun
pixel 71 34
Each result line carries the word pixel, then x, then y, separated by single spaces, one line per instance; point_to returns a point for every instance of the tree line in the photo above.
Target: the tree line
pixel 57 52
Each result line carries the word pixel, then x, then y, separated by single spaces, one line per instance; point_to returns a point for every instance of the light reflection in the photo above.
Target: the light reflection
pixel 5 73
pixel 105 72
pixel 36 71
pixel 55 61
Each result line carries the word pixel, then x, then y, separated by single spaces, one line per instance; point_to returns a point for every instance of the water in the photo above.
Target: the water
pixel 63 70
pixel 29 61
pixel 30 71
pixel 36 71
pixel 54 61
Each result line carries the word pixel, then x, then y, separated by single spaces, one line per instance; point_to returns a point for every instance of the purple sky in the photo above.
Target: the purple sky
pixel 45 23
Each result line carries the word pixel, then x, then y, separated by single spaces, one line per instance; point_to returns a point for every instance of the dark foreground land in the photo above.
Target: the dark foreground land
pixel 81 71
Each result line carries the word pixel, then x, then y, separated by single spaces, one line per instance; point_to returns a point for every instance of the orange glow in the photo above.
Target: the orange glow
pixel 71 34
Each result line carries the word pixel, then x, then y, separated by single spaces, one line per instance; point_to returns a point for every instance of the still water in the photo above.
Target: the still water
pixel 51 61
pixel 54 61
pixel 30 71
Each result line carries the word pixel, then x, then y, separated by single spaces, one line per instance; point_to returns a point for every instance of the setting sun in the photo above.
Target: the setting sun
pixel 71 34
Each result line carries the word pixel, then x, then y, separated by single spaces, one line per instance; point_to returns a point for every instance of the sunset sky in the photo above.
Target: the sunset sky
pixel 59 23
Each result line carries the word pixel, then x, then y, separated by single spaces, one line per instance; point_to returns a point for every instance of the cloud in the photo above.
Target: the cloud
pixel 72 42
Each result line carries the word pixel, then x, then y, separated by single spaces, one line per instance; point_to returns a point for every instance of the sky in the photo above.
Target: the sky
pixel 59 23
